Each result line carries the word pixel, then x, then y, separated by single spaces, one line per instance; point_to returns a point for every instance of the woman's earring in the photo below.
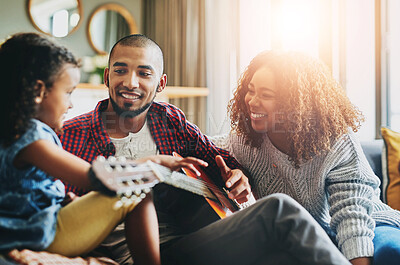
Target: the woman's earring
pixel 38 100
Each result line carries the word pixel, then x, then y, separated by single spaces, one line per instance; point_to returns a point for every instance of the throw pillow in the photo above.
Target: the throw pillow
pixel 390 168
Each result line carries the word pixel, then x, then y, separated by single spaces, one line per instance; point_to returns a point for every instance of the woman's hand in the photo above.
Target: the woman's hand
pixel 176 163
pixel 235 181
pixel 361 261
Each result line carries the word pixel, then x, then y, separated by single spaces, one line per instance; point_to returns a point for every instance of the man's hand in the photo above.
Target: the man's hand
pixel 235 181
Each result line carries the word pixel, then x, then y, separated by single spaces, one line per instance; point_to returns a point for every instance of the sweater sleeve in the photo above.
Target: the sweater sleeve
pixel 351 187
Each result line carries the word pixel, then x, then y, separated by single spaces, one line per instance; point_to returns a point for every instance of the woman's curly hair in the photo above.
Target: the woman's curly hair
pixel 26 58
pixel 313 108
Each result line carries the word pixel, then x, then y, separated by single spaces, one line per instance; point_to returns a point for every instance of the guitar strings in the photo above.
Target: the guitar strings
pixel 215 189
pixel 198 183
pixel 211 186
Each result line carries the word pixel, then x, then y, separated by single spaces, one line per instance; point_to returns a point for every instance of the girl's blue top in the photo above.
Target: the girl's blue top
pixel 29 198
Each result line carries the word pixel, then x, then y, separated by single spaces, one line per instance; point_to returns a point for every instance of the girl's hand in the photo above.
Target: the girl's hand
pixel 176 163
pixel 361 261
pixel 69 197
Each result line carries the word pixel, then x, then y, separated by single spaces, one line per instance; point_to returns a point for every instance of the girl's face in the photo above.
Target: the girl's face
pixel 57 100
pixel 261 101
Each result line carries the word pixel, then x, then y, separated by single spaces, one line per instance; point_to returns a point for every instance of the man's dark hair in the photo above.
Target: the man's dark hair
pixel 140 41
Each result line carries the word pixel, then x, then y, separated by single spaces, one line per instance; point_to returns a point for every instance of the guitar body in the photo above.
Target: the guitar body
pixel 181 209
pixel 223 205
pixel 132 181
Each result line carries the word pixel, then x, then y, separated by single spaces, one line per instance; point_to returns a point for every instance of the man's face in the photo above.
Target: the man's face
pixel 133 78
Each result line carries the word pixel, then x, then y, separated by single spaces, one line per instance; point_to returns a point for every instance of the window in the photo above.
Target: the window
pixel 390 71
pixel 340 32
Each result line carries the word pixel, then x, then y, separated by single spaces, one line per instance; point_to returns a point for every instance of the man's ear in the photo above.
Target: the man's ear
pixel 40 87
pixel 162 84
pixel 105 76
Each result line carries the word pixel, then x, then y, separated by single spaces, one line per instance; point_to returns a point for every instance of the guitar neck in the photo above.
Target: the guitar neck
pixel 181 181
pixel 194 185
pixel 126 178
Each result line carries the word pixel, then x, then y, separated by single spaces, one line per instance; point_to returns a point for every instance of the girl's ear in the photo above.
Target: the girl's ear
pixel 41 88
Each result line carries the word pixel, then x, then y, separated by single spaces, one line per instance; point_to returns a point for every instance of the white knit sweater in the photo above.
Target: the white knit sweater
pixel 338 188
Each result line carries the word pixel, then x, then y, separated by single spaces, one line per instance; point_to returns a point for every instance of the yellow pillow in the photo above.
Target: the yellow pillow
pixel 391 168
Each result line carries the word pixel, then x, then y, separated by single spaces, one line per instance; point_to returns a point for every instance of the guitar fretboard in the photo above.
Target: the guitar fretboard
pixel 181 181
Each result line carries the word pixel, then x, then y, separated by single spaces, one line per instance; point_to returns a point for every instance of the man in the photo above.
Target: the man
pixel 132 125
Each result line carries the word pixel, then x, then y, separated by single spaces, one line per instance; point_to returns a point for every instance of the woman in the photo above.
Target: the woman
pixel 293 130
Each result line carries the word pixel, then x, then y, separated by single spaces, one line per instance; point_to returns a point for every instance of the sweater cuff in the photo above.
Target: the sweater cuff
pixel 357 247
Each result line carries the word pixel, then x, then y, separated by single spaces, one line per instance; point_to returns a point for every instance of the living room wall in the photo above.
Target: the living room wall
pixel 14 18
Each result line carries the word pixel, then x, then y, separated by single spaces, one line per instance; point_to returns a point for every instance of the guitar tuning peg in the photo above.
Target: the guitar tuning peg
pixel 135 200
pixel 132 200
pixel 118 205
pixel 111 159
pixel 142 196
pixel 101 158
pixel 138 192
pixel 121 159
pixel 118 168
pixel 146 190
pixel 128 193
pixel 124 200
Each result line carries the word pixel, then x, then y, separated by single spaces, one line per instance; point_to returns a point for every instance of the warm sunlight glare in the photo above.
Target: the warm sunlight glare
pixel 297 25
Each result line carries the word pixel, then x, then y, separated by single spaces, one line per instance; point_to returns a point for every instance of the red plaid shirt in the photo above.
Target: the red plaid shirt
pixel 85 136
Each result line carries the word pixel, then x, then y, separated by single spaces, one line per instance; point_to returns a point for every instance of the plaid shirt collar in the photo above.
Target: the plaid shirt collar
pixel 100 136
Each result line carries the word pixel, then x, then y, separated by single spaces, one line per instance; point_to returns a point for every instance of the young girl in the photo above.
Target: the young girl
pixel 293 130
pixel 38 78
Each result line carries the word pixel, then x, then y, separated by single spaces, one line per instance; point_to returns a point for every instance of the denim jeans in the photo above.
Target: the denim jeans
pixel 386 245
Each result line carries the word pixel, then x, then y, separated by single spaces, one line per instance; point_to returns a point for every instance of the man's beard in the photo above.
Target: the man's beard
pixel 129 113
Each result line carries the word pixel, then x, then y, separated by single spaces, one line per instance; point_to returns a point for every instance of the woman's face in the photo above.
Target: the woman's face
pixel 57 100
pixel 261 101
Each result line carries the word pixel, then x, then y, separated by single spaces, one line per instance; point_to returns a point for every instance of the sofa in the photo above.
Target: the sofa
pixel 373 151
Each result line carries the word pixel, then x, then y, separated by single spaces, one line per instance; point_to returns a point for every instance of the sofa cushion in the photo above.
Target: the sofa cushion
pixel 390 168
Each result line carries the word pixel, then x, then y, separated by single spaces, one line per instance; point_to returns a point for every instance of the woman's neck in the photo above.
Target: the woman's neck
pixel 280 141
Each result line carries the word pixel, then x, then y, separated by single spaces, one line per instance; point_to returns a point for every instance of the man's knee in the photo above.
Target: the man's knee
pixel 284 210
pixel 280 201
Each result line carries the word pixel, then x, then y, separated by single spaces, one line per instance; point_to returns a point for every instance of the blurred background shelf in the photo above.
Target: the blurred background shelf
pixel 192 100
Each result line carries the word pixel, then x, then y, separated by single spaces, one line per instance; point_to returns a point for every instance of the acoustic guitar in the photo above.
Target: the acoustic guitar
pixel 131 182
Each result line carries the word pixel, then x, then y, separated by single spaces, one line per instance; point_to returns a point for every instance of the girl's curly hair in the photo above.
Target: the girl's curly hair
pixel 26 58
pixel 313 108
